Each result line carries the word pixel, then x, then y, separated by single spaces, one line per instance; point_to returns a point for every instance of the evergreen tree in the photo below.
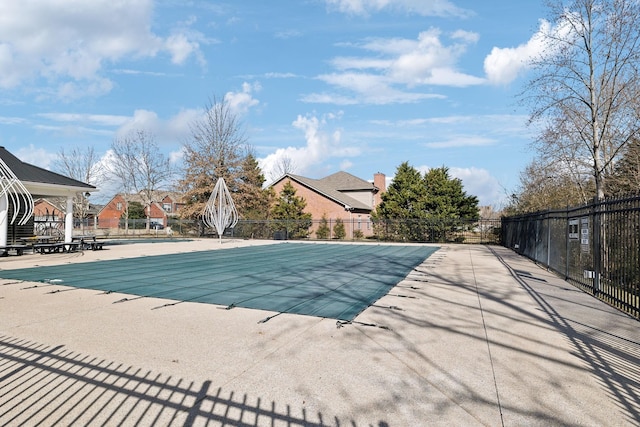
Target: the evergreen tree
pixel 404 197
pixel 339 231
pixel 425 207
pixel 323 229
pixel 400 214
pixel 136 211
pixel 251 200
pixel 448 206
pixel 288 211
pixel 446 198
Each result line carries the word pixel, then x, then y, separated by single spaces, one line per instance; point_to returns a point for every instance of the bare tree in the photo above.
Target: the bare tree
pixel 282 166
pixel 626 177
pixel 548 185
pixel 586 84
pixel 140 168
pixel 84 165
pixel 215 150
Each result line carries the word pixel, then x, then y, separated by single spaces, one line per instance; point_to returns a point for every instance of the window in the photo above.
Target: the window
pixel 119 206
pixel 166 207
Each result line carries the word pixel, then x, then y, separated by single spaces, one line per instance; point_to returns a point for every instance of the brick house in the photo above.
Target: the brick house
pixel 45 210
pixel 50 211
pixel 166 205
pixel 340 195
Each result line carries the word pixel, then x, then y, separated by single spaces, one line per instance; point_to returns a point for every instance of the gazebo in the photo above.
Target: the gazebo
pixel 20 184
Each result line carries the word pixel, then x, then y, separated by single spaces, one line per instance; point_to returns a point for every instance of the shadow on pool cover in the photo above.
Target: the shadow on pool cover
pixel 322 280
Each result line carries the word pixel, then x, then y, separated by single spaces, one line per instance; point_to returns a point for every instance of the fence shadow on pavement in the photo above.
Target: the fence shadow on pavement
pixel 517 334
pixel 610 352
pixel 49 385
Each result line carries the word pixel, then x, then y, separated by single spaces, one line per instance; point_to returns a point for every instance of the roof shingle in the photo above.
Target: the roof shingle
pixel 30 173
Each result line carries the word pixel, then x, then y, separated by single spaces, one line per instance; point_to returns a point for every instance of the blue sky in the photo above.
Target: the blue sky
pixel 354 85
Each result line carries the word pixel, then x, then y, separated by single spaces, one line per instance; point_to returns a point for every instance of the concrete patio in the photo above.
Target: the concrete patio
pixel 476 335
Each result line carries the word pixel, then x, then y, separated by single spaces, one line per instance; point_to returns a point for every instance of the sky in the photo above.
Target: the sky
pixel 331 85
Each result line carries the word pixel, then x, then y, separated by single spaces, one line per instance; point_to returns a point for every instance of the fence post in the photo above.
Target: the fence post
pixel 537 240
pixel 597 223
pixel 548 240
pixel 567 244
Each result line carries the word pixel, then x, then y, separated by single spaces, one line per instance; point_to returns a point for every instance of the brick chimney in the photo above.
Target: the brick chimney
pixel 380 181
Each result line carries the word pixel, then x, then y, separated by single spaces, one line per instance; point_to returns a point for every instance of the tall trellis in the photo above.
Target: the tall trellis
pixel 220 212
pixel 16 193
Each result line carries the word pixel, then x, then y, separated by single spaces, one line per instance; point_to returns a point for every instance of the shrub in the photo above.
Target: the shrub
pixel 323 229
pixel 338 230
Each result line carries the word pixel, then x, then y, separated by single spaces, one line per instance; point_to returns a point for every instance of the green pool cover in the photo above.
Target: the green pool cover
pixel 323 280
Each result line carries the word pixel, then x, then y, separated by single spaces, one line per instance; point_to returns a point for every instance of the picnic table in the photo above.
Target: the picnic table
pixel 19 249
pixel 56 247
pixel 88 242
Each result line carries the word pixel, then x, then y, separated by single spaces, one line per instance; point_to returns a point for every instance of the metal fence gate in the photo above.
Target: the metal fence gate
pixel 596 247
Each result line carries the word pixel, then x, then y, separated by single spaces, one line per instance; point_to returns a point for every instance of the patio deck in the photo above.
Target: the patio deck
pixel 475 335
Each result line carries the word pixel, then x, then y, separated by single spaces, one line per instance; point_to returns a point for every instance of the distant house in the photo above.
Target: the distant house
pixel 49 213
pixel 165 205
pixel 340 195
pixel 39 183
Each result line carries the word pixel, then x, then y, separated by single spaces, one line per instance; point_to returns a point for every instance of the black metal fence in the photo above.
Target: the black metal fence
pixel 596 247
pixel 485 231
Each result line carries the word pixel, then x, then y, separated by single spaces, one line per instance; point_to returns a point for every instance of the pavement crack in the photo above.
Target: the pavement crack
pixel 486 335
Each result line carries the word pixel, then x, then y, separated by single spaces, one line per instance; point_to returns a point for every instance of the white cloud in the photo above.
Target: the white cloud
pixel 345 165
pixel 429 61
pixel 180 47
pixel 396 68
pixel 504 65
pixel 166 131
pixel 73 90
pixel 142 120
pixel 320 145
pixel 241 102
pixel 419 7
pixel 480 183
pixel 68 43
pixel 280 75
pixel 36 156
pixel 476 182
pixel 462 141
pixel 98 119
pixel 368 88
pixel 347 63
pixel 466 36
pixel 287 34
pixel 179 125
pixel 11 120
pixel 329 98
pixel 107 187
pixel 176 156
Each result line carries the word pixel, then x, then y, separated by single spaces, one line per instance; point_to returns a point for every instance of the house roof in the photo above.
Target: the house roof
pixel 344 181
pixel 158 196
pixel 28 173
pixel 327 187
